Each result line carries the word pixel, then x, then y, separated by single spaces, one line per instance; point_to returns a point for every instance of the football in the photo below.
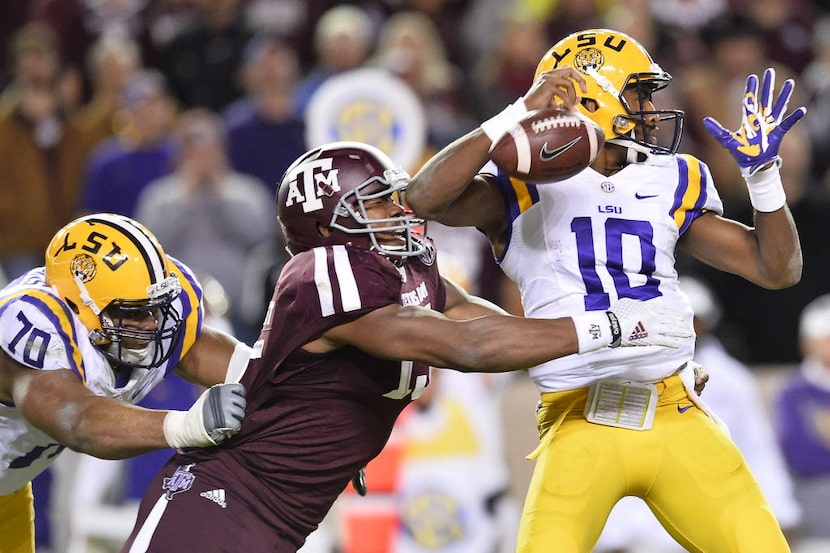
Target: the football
pixel 548 145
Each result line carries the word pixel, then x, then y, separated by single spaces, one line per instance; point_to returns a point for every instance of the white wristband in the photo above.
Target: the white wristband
pixel 593 330
pixel 238 362
pixel 766 191
pixel 503 121
pixel 185 428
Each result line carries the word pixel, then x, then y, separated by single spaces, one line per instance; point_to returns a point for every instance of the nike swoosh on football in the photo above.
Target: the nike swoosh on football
pixel 684 409
pixel 644 196
pixel 547 155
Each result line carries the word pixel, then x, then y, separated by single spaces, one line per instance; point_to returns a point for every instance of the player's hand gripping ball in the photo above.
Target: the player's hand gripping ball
pixel 548 145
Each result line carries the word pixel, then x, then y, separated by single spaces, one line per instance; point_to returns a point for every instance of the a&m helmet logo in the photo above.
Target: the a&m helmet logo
pixel 310 182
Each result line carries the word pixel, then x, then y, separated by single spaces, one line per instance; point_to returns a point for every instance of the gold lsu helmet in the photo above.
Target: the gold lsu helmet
pixel 110 270
pixel 612 61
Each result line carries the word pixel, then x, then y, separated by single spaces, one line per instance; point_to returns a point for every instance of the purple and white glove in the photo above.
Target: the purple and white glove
pixel 755 144
pixel 763 125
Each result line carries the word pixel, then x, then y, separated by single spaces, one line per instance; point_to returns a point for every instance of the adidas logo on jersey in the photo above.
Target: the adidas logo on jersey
pixel 217 496
pixel 639 332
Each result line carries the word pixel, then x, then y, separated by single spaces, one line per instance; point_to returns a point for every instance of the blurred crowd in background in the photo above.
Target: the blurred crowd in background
pixel 185 113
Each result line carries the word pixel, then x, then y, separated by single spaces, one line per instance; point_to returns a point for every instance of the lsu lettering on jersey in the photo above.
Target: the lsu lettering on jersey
pixel 40 331
pixel 583 243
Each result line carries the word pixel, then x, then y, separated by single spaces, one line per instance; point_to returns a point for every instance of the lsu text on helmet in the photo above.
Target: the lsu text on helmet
pixel 114 275
pixel 612 61
pixel 323 198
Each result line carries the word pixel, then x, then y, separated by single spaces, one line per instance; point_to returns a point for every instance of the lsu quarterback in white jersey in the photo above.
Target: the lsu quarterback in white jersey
pixel 605 239
pixel 108 316
pixel 617 423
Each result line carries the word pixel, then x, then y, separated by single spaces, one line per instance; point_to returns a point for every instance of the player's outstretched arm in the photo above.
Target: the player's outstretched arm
pixel 501 343
pixel 57 403
pixel 769 254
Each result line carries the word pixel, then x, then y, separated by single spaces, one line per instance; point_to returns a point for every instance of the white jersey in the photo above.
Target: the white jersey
pixel 39 330
pixel 583 243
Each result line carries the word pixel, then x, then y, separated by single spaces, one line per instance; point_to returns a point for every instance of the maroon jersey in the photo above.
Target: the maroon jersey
pixel 313 420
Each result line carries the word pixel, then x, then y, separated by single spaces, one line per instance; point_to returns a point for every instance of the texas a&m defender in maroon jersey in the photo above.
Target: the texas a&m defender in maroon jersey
pixel 358 316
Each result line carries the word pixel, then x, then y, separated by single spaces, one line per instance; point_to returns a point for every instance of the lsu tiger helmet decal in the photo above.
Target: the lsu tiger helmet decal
pixel 114 275
pixel 612 61
pixel 331 186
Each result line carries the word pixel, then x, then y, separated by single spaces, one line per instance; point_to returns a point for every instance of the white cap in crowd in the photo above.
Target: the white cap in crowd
pixel 815 319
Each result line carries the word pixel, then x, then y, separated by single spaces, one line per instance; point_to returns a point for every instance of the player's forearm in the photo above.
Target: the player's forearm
pixel 58 404
pixel 779 249
pixel 445 176
pixel 505 343
pixel 111 429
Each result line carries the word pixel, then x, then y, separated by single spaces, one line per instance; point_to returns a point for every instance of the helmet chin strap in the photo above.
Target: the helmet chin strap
pixel 602 81
pixel 85 297
pixel 634 153
pixel 96 336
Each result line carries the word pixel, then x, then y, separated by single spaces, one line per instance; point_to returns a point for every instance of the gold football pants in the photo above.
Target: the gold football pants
pixel 17 521
pixel 686 468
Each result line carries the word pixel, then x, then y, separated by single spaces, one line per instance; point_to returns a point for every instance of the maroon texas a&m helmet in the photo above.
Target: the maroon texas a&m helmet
pixel 329 186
